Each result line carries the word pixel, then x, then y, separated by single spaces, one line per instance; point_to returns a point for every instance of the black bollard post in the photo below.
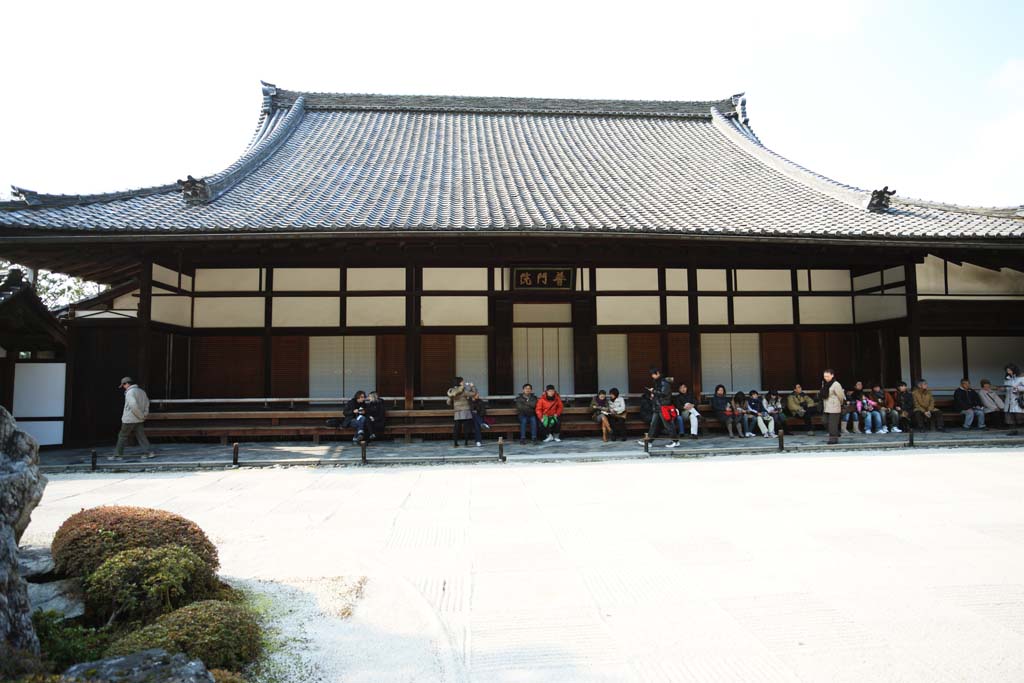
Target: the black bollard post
pixel 501 449
pixel 92 456
pixel 647 444
pixel 782 440
pixel 234 454
pixel 910 435
pixel 362 451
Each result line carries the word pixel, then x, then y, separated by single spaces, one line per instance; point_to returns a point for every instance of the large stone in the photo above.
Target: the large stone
pixel 35 562
pixel 147 666
pixel 21 489
pixel 64 597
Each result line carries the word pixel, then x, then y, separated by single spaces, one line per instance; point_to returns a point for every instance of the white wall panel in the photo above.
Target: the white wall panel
pixel 455 279
pixel 942 362
pixel 713 310
pixel 639 279
pixel 931 277
pixel 45 433
pixel 541 313
pixel 715 362
pixel 376 279
pixel 872 279
pixel 453 310
pixel 471 360
pixel 891 275
pixel 826 310
pixel 711 280
pixel 170 277
pixel 873 307
pixel 731 359
pixel 762 310
pixel 375 311
pixel 676 279
pixel 241 311
pixel 987 357
pixel 628 310
pixel 307 279
pixel 38 390
pixel 677 310
pixel 360 364
pixel 227 279
pixel 612 362
pixel 543 356
pixel 173 310
pixel 126 302
pixel 970 279
pixel 341 366
pixel 306 311
pixel 763 280
pixel 566 361
pixel 746 361
pixel 830 280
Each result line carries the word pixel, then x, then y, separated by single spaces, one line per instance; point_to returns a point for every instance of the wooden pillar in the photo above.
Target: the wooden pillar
pixel 268 321
pixel 144 319
pixel 413 284
pixel 696 381
pixel 584 339
pixel 663 321
pixel 500 367
pixel 794 281
pixel 7 381
pixel 913 323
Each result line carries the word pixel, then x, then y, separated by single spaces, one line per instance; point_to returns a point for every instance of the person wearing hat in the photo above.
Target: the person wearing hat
pixel 136 408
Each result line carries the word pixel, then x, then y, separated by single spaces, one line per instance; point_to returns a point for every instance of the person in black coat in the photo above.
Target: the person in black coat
pixel 375 411
pixel 356 417
pixel 968 403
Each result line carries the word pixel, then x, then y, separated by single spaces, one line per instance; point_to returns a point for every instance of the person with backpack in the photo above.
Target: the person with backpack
pixel 664 412
pixel 133 417
pixel 526 410
pixel 459 400
pixel 549 414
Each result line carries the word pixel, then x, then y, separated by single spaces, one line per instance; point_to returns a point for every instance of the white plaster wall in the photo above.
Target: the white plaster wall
pixel 676 279
pixel 677 310
pixel 453 310
pixel 38 390
pixel 763 280
pixel 711 280
pixel 375 279
pixel 942 362
pixel 762 310
pixel 826 310
pixel 891 275
pixel 113 315
pixel 987 357
pixel 455 279
pixel 173 310
pixel 45 433
pixel 628 310
pixel 638 279
pixel 873 279
pixel 541 313
pixel 970 279
pixel 126 302
pixel 873 307
pixel 228 312
pixel 713 310
pixel 306 311
pixel 930 276
pixel 170 277
pixel 227 280
pixel 830 280
pixel 375 311
pixel 306 279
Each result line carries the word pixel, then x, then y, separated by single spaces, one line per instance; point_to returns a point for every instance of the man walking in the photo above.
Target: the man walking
pixel 136 408
pixel 664 412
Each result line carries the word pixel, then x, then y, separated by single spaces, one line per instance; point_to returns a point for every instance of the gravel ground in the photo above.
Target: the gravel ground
pixel 842 566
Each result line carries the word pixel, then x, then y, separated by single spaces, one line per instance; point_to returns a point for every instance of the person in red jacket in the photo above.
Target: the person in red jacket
pixel 549 413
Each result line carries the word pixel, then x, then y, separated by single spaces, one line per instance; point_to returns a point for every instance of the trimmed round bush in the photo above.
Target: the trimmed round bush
pixel 88 538
pixel 221 634
pixel 143 583
pixel 224 676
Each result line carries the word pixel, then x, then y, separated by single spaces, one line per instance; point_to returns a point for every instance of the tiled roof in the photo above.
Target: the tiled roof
pixel 380 163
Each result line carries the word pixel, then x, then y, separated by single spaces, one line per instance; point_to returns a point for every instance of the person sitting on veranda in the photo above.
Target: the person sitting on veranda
pixel 968 403
pixel 890 417
pixel 854 407
pixel 617 415
pixel 744 415
pixel 802 406
pixel 926 415
pixel 686 404
pixel 765 421
pixel 549 414
pixel 873 414
pixel 526 411
pixel 773 406
pixel 902 402
pixel 356 418
pixel 993 404
pixel 721 406
pixel 600 410
pixel 375 412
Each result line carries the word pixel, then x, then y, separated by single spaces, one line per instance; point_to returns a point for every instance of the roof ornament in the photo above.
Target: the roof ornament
pixel 879 202
pixel 193 190
pixel 269 90
pixel 739 101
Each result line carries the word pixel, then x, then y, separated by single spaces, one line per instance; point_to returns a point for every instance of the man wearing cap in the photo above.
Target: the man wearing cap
pixel 136 408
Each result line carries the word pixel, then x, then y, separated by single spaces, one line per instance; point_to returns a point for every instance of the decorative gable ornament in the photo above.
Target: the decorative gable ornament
pixel 879 202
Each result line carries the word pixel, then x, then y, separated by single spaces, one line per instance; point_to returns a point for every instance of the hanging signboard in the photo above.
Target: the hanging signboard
pixel 544 278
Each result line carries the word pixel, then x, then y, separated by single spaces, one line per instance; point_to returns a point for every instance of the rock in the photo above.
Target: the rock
pixel 63 596
pixel 34 561
pixel 21 489
pixel 143 667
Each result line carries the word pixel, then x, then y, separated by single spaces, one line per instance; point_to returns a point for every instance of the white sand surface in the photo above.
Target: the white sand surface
pixel 845 567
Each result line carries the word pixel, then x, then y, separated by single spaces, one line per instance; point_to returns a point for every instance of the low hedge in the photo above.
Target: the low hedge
pixel 63 643
pixel 224 676
pixel 140 584
pixel 223 635
pixel 88 538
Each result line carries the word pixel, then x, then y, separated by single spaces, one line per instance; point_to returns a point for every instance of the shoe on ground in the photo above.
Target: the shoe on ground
pixel 485 425
pixel 983 428
pixel 147 456
pixel 673 444
pixel 883 430
pixel 549 438
pixel 456 444
pixel 558 440
pixel 641 442
pixel 693 437
pixel 522 442
pixel 896 430
pixel 478 444
pixel 868 431
pixel 810 433
pixel 749 434
pixel 113 457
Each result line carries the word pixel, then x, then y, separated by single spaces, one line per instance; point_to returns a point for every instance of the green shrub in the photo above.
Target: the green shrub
pixel 223 635
pixel 15 663
pixel 86 539
pixel 223 676
pixel 63 643
pixel 143 583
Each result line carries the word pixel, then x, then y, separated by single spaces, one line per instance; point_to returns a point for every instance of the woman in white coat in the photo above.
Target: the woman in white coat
pixel 1014 399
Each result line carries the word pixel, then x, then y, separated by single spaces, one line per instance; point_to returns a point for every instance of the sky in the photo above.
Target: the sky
pixel 925 97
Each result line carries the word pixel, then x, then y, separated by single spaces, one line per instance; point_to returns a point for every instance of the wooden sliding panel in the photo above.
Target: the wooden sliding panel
pixel 643 351
pixel 839 346
pixel 813 359
pixel 778 366
pixel 437 363
pixel 227 367
pixel 679 359
pixel 289 363
pixel 391 364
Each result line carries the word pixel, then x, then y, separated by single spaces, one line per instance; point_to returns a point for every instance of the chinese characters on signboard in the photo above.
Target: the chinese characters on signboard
pixel 543 278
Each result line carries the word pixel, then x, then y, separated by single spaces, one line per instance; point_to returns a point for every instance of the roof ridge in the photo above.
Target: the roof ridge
pixel 269 137
pixel 848 194
pixel 996 211
pixel 501 105
pixel 29 199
